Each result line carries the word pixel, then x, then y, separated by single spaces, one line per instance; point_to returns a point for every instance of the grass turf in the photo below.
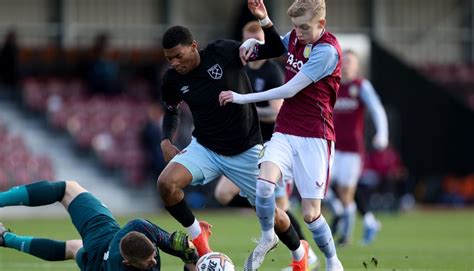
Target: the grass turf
pixel 419 240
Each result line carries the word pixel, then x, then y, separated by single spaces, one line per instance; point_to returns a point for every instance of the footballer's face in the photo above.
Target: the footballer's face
pixel 308 29
pixel 350 66
pixel 183 58
pixel 145 264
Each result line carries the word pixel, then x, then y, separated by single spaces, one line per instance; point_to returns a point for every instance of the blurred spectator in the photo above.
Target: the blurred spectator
pixel 9 61
pixel 386 176
pixel 102 73
pixel 458 190
pixel 151 138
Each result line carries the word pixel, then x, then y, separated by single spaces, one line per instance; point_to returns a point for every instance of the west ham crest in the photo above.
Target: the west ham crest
pixel 215 72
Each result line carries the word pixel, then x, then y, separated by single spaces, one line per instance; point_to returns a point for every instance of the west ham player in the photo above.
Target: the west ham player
pixel 303 143
pixel 356 94
pixel 264 74
pixel 104 245
pixel 226 140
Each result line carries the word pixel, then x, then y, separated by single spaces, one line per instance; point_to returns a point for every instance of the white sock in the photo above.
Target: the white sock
pixel 369 219
pixel 194 230
pixel 268 235
pixel 332 261
pixel 312 257
pixel 298 254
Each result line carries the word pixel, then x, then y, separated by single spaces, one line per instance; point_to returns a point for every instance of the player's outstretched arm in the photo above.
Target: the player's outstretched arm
pixel 251 49
pixel 377 113
pixel 295 85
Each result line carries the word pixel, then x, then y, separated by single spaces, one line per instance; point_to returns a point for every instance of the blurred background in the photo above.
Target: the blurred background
pixel 80 93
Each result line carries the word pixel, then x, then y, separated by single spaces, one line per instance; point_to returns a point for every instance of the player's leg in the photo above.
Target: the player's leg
pixel 261 192
pixel 35 194
pixel 94 222
pixel 331 200
pixel 334 204
pixel 225 190
pixel 283 202
pixel 192 166
pixel 46 249
pixel 346 187
pixel 371 225
pixel 311 169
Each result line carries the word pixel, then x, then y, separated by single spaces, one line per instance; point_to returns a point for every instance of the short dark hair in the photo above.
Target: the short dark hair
pixel 135 247
pixel 177 35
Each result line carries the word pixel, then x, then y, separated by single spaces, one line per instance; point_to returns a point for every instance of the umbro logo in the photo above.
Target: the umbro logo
pixel 215 72
pixel 185 89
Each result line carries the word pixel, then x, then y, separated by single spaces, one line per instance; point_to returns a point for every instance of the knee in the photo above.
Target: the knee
pixel 282 221
pixel 72 247
pixel 222 196
pixel 73 188
pixel 166 184
pixel 311 214
pixel 71 184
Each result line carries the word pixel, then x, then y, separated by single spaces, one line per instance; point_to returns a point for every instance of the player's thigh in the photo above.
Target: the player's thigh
pixel 276 153
pixel 347 169
pixel 93 220
pixel 199 161
pixel 311 166
pixel 226 190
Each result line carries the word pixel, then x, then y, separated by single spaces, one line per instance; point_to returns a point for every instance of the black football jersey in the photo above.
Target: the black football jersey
pixel 226 130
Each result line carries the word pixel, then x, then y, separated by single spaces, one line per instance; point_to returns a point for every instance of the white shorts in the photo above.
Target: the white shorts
pixel 307 159
pixel 347 168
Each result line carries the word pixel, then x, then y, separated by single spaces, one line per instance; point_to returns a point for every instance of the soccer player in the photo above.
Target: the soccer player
pixel 103 245
pixel 303 143
pixel 264 74
pixel 356 95
pixel 226 140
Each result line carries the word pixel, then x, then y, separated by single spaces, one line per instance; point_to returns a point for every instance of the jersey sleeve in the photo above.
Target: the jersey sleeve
pixel 169 93
pixel 321 63
pixel 375 108
pixel 229 49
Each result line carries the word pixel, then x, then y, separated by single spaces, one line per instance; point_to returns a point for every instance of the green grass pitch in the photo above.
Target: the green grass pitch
pixel 418 240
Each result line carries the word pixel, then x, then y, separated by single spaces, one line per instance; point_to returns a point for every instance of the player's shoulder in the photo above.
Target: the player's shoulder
pixel 222 47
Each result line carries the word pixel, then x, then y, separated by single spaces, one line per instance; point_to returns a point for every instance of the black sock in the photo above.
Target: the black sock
pixel 47 249
pixel 290 238
pixel 239 201
pixel 360 201
pixel 45 192
pixel 296 225
pixel 181 212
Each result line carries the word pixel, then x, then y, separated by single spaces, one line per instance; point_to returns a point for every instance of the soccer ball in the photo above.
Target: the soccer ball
pixel 215 261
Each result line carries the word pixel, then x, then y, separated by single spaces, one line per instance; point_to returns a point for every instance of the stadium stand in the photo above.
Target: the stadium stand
pixel 19 164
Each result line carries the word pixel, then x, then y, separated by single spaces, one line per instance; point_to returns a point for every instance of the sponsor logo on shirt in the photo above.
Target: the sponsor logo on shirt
pixel 294 63
pixel 346 104
pixel 259 85
pixel 215 72
pixel 185 89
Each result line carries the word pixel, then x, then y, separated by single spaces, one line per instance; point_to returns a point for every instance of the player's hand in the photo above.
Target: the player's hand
pixel 257 8
pixel 380 142
pixel 169 150
pixel 226 97
pixel 245 53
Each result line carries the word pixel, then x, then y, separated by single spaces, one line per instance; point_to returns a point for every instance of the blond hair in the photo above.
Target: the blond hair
pixel 317 8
